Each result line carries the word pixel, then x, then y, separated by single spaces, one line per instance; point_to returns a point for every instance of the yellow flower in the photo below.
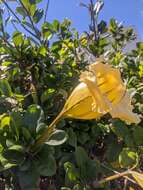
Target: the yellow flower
pixel 101 90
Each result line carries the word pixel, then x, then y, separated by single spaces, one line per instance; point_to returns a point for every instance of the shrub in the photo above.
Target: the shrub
pixel 39 67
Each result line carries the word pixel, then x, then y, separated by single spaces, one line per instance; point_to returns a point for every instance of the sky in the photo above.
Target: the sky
pixel 130 12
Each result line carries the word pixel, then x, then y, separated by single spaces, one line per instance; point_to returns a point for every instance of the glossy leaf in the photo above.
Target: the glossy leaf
pixel 57 138
pixel 33 117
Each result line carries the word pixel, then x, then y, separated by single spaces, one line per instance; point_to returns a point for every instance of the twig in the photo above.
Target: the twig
pixel 37 32
pixel 13 13
pixel 111 178
pixel 13 24
pixel 125 184
pixel 47 132
pixel 93 20
pixel 46 10
pixel 6 41
pixel 126 177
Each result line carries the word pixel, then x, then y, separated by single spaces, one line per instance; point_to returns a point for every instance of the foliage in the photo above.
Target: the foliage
pixel 40 63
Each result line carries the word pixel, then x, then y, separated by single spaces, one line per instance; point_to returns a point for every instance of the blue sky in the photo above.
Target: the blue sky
pixel 128 11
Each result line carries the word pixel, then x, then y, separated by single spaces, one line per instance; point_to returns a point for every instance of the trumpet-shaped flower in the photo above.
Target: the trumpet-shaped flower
pixel 101 90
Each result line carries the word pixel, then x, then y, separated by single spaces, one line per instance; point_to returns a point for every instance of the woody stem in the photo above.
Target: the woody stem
pixel 111 178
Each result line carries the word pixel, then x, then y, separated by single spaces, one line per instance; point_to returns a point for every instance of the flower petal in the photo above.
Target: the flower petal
pixel 123 110
pixel 99 103
pixel 101 90
pixel 109 81
pixel 79 104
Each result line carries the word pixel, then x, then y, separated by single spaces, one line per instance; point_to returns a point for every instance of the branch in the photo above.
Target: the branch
pixel 37 32
pixel 126 177
pixel 94 19
pixel 16 17
pixel 48 131
pixel 6 41
pixel 111 178
pixel 93 22
pixel 46 10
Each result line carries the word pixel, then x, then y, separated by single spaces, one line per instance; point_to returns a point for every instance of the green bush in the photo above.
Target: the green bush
pixel 40 65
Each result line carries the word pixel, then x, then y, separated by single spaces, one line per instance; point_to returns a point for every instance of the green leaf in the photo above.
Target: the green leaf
pixel 13 156
pixel 21 11
pixel 47 94
pixel 46 26
pixel 46 164
pixel 113 25
pixel 71 172
pixel 5 121
pixel 40 128
pixel 5 88
pixel 25 166
pixel 16 122
pixel 83 137
pixel 43 51
pixel 32 9
pixel 128 158
pixel 91 170
pixel 120 128
pixel 56 25
pixel 47 30
pixel 26 3
pixel 65 188
pixel 28 179
pixel 57 138
pixel 138 135
pixel 81 156
pixel 30 6
pixel 56 46
pixel 4 164
pixel 140 46
pixel 38 15
pixel 33 117
pixel 113 150
pixel 20 97
pixel 72 140
pixel 26 134
pixel 18 148
pixel 88 168
pixel 18 38
pixel 27 24
pixel 103 42
pixel 102 26
pixel 1 148
pixel 10 142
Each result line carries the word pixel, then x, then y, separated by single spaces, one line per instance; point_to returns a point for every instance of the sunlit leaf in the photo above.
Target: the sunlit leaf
pixel 128 158
pixel 57 138
pixel 38 15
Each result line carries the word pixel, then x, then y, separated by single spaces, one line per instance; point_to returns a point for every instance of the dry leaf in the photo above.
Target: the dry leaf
pixel 138 177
